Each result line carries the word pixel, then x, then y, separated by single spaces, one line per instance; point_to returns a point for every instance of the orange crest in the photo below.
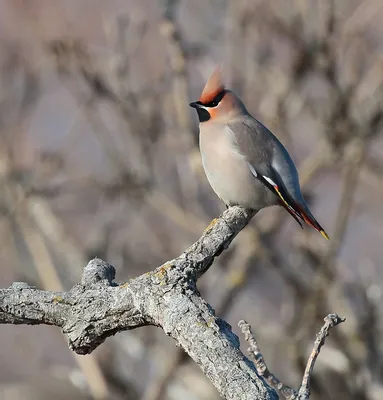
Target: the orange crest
pixel 213 86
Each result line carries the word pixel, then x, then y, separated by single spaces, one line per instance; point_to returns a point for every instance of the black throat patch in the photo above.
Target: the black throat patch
pixel 203 115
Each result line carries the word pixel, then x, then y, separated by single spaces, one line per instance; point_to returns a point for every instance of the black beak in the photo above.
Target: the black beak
pixel 195 104
pixel 203 114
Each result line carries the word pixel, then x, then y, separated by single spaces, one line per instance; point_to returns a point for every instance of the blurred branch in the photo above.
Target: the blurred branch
pixel 177 56
pixel 27 212
pixel 156 390
pixel 72 58
pixel 44 265
pixel 357 152
pixel 177 60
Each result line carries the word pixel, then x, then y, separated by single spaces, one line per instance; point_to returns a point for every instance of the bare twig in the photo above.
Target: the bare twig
pixel 290 394
pixel 330 321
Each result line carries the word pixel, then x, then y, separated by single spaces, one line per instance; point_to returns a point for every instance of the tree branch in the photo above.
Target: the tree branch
pixel 260 364
pixel 287 392
pixel 167 297
pixel 329 322
pixel 97 308
pixel 88 313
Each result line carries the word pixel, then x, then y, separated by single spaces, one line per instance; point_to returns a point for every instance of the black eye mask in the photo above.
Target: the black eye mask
pixel 203 114
pixel 216 100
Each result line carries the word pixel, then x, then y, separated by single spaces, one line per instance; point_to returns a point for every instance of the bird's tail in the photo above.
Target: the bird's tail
pixel 310 220
pixel 297 211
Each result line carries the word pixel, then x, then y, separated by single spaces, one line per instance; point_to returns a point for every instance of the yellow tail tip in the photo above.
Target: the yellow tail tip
pixel 324 234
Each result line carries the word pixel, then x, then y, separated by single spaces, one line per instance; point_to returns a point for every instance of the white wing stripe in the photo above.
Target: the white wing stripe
pixel 270 181
pixel 254 172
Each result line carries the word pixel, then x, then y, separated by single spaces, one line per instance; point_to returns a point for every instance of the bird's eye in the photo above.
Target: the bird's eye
pixel 217 99
pixel 214 103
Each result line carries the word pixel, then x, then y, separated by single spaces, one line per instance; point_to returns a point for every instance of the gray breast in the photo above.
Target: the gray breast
pixel 228 171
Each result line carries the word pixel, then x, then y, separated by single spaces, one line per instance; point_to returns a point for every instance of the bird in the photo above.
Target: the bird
pixel 244 162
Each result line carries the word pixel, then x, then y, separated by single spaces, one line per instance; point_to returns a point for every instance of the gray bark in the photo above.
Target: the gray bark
pixel 167 297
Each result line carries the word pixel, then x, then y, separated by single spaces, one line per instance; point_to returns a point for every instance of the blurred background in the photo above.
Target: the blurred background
pixel 99 157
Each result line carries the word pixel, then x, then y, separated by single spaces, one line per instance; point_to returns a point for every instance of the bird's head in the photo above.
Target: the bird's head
pixel 216 103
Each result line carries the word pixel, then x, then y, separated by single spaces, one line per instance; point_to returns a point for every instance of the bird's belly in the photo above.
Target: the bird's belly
pixel 230 177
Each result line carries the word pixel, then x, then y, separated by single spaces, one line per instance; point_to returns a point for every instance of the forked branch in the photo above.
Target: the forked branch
pixel 97 308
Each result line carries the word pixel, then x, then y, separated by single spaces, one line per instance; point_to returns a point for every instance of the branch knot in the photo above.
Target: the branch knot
pixel 98 271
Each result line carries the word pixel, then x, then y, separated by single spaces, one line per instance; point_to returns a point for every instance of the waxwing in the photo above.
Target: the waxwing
pixel 245 164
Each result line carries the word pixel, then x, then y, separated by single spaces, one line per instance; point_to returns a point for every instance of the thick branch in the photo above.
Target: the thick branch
pixel 167 297
pixel 197 259
pixel 91 311
pixel 23 304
